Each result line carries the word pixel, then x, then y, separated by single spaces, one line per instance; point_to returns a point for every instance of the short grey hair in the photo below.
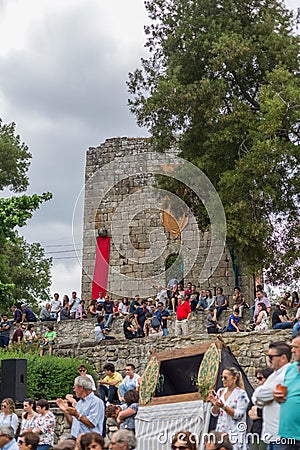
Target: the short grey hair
pixel 84 382
pixel 125 436
pixel 7 430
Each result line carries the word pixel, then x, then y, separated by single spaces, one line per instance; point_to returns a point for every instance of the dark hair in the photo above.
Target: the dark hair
pixel 31 438
pixel 82 366
pixel 237 288
pixel 189 439
pixel 50 327
pixel 111 411
pixel 130 365
pixel 43 403
pixel 128 317
pixel 262 305
pixel 31 403
pixel 126 302
pixel 210 294
pixel 220 289
pixel 30 326
pixel 110 367
pixel 89 437
pixel 131 396
pixel 265 371
pixel 100 319
pixel 219 440
pixel 283 348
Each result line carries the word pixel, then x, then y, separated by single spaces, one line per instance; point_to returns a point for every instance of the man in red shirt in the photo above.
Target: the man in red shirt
pixel 182 316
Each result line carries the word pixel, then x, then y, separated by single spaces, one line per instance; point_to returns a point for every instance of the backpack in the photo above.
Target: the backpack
pixel 155 322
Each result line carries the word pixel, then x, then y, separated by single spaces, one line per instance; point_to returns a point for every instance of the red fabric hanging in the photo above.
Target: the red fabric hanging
pixel 101 267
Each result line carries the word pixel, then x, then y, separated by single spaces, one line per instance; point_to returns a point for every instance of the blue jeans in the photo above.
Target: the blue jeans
pixel 109 319
pixel 273 446
pixel 4 341
pixel 43 447
pixel 282 326
pixel 296 328
pixel 165 331
pixel 220 309
pixel 111 392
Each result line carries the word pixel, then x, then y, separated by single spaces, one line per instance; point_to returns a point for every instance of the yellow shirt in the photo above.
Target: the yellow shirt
pixel 114 377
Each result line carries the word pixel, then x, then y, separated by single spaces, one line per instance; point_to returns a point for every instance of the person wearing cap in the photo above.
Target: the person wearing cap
pixel 182 316
pixel 27 314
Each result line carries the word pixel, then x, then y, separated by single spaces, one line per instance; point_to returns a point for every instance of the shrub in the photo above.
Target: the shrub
pixel 48 377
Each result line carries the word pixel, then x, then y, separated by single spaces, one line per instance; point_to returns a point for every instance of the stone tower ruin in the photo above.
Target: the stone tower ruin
pixel 137 235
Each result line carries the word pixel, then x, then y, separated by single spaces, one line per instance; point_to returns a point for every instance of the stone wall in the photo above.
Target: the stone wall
pixel 120 196
pixel 76 339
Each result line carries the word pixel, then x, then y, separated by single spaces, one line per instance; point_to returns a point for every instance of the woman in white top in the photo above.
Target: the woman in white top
pixel 30 334
pixel 124 306
pixel 8 415
pixel 230 406
pixel 262 321
pixel 29 415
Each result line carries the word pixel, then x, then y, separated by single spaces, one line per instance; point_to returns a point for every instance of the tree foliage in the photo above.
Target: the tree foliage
pixel 14 159
pixel 24 270
pixel 222 79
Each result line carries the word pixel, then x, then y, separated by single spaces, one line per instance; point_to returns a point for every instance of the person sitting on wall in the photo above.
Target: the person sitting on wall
pixel 109 384
pixel 101 333
pixel 212 323
pixel 221 302
pixel 129 328
pixel 49 340
pixel 280 318
pixel 233 322
pixel 27 314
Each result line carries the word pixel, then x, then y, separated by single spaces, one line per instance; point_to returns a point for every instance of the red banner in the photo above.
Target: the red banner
pixel 101 267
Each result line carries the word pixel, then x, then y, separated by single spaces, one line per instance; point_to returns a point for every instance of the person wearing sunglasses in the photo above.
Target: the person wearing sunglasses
pixel 82 369
pixel 28 441
pixel 7 439
pixel 280 318
pixel 184 440
pixel 230 407
pixel 255 413
pixel 8 415
pixel 279 356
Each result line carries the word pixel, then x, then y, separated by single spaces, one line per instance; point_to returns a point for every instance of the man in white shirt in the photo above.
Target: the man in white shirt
pixel 131 381
pixel 74 303
pixel 279 356
pixel 55 306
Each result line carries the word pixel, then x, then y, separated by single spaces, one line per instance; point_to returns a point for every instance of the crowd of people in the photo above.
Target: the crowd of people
pixel 152 316
pixel 102 413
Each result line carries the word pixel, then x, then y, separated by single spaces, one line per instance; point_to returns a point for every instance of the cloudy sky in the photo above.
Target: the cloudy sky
pixel 63 69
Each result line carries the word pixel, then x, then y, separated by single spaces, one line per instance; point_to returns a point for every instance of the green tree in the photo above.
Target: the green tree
pixel 24 270
pixel 14 159
pixel 222 79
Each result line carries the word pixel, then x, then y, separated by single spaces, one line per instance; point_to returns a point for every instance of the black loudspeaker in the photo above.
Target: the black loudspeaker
pixel 14 379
